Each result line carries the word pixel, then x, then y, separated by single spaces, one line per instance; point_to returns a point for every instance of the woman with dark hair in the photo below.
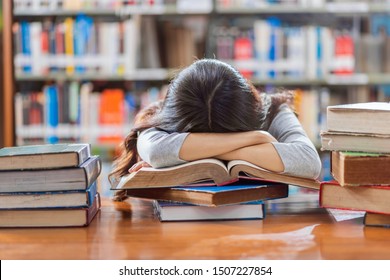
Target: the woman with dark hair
pixel 211 111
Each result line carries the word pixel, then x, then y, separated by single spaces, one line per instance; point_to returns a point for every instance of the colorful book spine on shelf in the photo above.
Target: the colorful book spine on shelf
pixel 26 47
pixel 243 51
pixel 82 33
pixel 69 44
pixel 74 102
pixel 344 54
pixel 111 114
pixel 273 54
pixel 51 96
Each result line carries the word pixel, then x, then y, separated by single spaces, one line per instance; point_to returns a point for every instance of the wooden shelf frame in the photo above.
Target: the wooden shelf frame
pixel 7 111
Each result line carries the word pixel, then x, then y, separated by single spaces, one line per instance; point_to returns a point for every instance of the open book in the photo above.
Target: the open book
pixel 206 170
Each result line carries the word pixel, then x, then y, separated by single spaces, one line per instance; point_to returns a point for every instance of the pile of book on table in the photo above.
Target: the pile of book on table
pixel 209 189
pixel 358 138
pixel 53 185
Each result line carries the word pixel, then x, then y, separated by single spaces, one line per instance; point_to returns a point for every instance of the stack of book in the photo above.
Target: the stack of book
pixel 208 189
pixel 53 185
pixel 358 136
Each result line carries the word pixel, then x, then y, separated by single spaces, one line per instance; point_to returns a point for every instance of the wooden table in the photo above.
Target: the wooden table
pixel 129 230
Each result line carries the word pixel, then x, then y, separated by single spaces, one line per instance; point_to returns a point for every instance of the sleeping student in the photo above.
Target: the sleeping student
pixel 212 111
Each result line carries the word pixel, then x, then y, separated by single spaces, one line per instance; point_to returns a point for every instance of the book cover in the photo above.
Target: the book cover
pixel 358 168
pixel 57 199
pixel 369 117
pixel 43 156
pixel 168 211
pixel 63 179
pixel 60 217
pixel 241 191
pixel 361 198
pixel 205 170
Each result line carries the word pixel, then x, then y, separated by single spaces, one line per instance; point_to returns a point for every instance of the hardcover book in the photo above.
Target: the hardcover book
pixel 241 191
pixel 169 211
pixel 355 168
pixel 206 170
pixel 64 179
pixel 362 198
pixel 355 142
pixel 58 217
pixel 376 220
pixel 371 117
pixel 43 156
pixel 56 199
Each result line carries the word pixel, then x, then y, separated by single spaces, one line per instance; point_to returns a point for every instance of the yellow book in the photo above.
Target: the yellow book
pixel 69 48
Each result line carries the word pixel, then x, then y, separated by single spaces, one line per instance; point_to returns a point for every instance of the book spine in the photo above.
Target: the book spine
pixel 26 45
pixel 93 210
pixel 91 193
pixel 51 114
pixel 273 44
pixel 69 44
pixel 92 170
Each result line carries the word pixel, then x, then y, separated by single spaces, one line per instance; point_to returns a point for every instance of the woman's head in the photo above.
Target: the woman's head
pixel 210 96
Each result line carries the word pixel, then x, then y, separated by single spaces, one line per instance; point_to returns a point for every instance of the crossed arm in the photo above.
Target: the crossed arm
pixel 253 146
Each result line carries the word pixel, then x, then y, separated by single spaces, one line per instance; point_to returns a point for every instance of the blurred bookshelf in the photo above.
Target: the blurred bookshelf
pixel 73 58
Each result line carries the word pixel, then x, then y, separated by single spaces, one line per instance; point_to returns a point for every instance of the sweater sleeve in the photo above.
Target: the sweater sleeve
pixel 160 148
pixel 297 152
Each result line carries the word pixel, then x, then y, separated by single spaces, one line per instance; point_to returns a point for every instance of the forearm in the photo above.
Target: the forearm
pixel 206 145
pixel 262 155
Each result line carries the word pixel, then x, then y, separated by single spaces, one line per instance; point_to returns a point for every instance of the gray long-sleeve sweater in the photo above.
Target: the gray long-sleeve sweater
pixel 297 152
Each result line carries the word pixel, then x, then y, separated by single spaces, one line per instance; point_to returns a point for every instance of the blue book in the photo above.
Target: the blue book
pixel 238 192
pixel 26 41
pixel 57 199
pixel 82 34
pixel 169 211
pixel 275 24
pixel 51 95
pixel 319 52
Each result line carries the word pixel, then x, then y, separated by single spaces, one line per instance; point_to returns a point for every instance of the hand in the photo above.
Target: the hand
pixel 138 166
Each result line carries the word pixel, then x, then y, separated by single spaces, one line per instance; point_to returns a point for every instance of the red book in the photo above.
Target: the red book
pixel 111 115
pixel 344 54
pixel 243 51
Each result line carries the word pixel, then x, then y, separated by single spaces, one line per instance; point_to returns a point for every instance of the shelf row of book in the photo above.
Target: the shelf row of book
pixel 79 45
pixel 75 112
pixel 268 49
pixel 274 48
pixel 49 186
pixel 328 5
pixel 204 6
pixel 117 7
